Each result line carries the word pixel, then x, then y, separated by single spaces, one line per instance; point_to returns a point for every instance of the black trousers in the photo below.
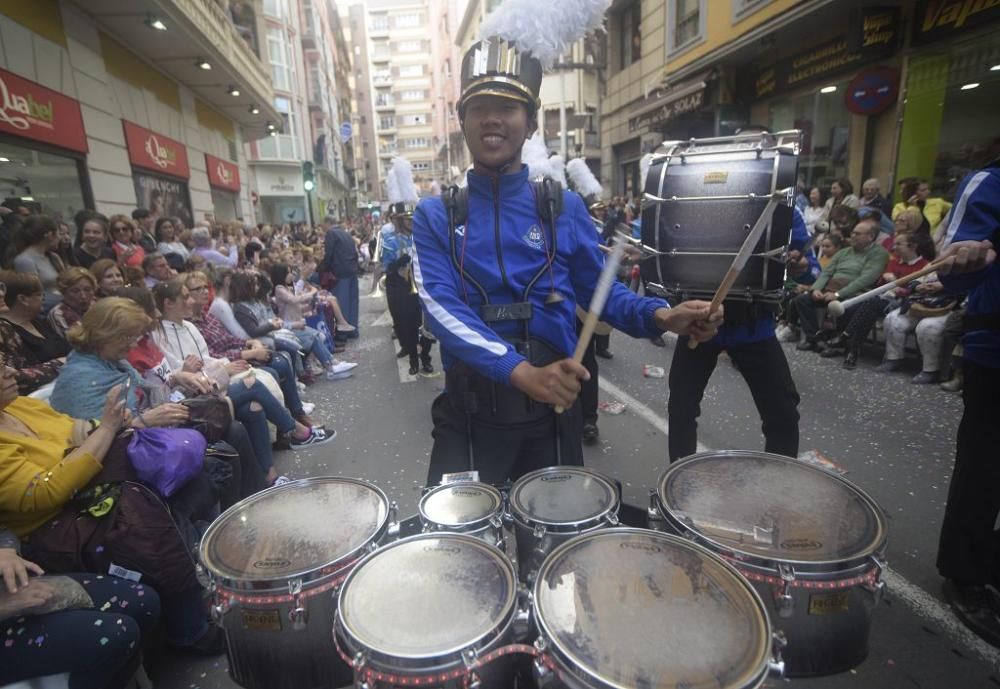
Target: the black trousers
pixel 406 319
pixel 765 369
pixel 968 551
pixel 501 453
pixel 588 388
pixel 865 317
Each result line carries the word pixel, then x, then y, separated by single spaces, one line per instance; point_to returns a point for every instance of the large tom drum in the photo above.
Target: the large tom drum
pixel 810 542
pixel 636 609
pixel 276 560
pixel 702 197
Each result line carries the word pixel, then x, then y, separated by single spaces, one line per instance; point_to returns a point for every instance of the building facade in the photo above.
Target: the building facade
pixel 354 19
pixel 115 110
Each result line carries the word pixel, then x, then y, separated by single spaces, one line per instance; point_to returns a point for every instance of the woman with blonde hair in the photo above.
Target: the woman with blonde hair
pixel 78 288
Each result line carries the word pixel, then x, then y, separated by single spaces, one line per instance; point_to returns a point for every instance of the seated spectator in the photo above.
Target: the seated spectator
pixel 871 196
pixel 912 222
pixel 916 193
pixel 841 194
pixel 78 288
pixel 222 310
pixel 814 211
pixel 111 633
pixel 852 271
pixel 127 250
pixel 196 263
pixel 886 227
pixel 203 246
pixel 64 249
pixel 92 240
pixel 27 341
pixel 169 244
pixel 254 405
pixel 224 345
pixel 294 299
pixel 904 261
pixel 72 454
pixel 157 269
pixel 828 248
pixel 926 313
pixel 34 249
pixel 108 275
pixel 142 222
pixel 842 220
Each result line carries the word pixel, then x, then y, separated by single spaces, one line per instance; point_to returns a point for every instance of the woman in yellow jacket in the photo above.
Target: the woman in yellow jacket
pixel 917 193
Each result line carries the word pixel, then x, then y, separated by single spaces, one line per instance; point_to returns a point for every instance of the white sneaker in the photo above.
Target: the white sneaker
pixel 342 366
pixel 790 334
pixel 308 407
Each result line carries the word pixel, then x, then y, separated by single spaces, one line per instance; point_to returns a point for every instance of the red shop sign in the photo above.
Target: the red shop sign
pixel 222 173
pixel 30 110
pixel 155 152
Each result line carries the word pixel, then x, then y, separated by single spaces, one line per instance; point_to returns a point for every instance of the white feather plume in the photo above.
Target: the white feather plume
pixel 557 169
pixel 545 29
pixel 583 180
pixel 536 156
pixel 644 170
pixel 392 185
pixel 401 173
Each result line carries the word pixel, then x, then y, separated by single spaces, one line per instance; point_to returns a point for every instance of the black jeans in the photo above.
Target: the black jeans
pixel 968 550
pixel 501 453
pixel 588 388
pixel 765 369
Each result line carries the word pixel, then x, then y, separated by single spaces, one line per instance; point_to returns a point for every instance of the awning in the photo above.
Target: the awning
pixel 672 101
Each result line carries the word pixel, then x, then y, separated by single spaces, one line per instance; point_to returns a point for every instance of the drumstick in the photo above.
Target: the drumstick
pixel 742 257
pixel 837 308
pixel 597 302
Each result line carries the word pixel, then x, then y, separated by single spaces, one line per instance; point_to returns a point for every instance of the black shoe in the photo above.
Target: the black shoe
pixel 850 361
pixel 414 369
pixel 401 353
pixel 427 367
pixel 838 342
pixel 605 354
pixel 832 352
pixel 590 433
pixel 807 345
pixel 925 378
pixel 976 607
pixel 889 366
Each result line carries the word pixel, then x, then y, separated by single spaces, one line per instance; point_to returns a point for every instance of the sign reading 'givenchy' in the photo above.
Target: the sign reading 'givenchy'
pixel 30 110
pixel 155 152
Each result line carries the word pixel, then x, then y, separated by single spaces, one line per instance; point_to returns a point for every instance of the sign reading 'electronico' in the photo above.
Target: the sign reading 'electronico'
pixel 222 174
pixel 155 152
pixel 30 110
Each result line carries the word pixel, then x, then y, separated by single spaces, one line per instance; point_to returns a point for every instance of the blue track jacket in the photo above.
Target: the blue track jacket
pixel 976 216
pixel 503 224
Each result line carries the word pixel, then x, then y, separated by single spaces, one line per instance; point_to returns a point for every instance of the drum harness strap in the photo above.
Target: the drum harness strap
pixel 548 205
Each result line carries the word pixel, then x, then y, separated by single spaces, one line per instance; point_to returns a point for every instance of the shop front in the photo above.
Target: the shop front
pixel 43 149
pixel 160 173
pixel 224 181
pixel 282 196
pixel 950 123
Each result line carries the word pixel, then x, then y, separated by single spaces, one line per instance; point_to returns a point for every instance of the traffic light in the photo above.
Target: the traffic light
pixel 308 176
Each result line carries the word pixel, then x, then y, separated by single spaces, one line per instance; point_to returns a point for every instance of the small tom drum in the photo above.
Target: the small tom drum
pixel 468 507
pixel 811 543
pixel 275 560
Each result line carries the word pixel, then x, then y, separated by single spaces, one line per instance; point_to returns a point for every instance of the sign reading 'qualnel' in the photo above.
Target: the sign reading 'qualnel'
pixel 32 111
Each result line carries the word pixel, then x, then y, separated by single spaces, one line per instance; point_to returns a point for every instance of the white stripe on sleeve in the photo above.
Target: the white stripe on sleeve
pixel 957 212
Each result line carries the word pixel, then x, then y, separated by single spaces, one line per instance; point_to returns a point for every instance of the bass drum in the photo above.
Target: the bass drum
pixel 810 542
pixel 702 197
pixel 637 609
pixel 275 561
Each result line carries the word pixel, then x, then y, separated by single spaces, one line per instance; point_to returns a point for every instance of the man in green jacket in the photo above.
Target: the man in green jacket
pixel 851 271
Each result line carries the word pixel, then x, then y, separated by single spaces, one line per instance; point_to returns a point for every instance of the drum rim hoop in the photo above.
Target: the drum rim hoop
pixel 506 617
pixel 473 524
pixel 522 518
pixel 230 579
pixel 876 546
pixel 569 662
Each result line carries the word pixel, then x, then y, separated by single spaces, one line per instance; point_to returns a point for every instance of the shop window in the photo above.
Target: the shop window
pixel 685 24
pixel 627 34
pixel 824 120
pixel 744 8
pixel 44 181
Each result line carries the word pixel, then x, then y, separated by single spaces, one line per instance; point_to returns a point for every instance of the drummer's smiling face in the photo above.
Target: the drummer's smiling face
pixel 495 130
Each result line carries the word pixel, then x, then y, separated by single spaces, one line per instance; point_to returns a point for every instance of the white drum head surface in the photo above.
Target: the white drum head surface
pixel 772 507
pixel 636 608
pixel 294 529
pixel 458 504
pixel 427 596
pixel 562 496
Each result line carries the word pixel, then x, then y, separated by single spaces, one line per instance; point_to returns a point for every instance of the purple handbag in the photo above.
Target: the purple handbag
pixel 166 458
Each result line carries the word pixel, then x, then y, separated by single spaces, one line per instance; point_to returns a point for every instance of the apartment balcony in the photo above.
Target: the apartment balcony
pixel 378 30
pixel 382 80
pixel 385 104
pixel 387 152
pixel 381 56
pixel 198 30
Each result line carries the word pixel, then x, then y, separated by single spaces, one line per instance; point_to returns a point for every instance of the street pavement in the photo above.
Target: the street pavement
pixel 894 439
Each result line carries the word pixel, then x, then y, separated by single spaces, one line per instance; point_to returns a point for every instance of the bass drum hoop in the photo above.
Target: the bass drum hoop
pixel 527 521
pixel 819 570
pixel 313 577
pixel 576 675
pixel 475 526
pixel 443 660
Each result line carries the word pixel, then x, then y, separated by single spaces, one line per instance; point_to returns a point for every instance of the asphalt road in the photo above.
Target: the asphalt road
pixel 894 439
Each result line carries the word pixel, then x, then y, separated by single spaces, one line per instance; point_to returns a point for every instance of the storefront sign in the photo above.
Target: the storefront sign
pixel 872 91
pixel 163 197
pixel 879 34
pixel 30 110
pixel 938 19
pixel 152 151
pixel 678 99
pixel 279 181
pixel 222 174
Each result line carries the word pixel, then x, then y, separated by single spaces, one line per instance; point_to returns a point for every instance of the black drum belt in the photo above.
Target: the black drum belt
pixel 980 321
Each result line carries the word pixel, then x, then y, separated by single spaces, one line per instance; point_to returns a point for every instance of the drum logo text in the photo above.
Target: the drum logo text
pixel 454 550
pixel 262 620
pixel 466 493
pixel 716 177
pixel 648 547
pixel 826 603
pixel 272 563
pixel 801 544
pixel 557 477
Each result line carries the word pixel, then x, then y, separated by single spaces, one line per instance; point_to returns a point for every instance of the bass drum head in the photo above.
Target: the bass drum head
pixel 638 608
pixel 772 507
pixel 562 496
pixel 459 504
pixel 294 529
pixel 427 596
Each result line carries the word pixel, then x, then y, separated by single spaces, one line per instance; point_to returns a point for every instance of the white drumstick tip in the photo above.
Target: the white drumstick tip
pixel 835 309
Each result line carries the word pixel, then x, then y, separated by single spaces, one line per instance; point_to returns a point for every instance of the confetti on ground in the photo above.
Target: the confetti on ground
pixel 650 371
pixel 613 407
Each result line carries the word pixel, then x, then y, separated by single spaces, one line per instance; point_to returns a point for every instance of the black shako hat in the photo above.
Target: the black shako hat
pixel 496 67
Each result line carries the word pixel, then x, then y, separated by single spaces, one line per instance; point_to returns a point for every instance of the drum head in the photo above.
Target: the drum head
pixel 638 608
pixel 294 529
pixel 427 596
pixel 562 496
pixel 457 504
pixel 772 507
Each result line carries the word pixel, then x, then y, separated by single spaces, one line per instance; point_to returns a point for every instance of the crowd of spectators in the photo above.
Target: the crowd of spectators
pixel 142 326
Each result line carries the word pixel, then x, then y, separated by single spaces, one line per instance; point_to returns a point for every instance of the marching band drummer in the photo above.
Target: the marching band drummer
pixel 500 285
